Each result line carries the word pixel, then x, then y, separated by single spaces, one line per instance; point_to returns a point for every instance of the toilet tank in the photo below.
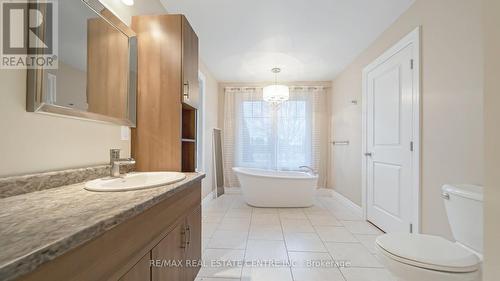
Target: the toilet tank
pixel 464 206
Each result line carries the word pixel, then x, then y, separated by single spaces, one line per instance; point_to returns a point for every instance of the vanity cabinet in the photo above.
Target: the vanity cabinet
pixel 140 271
pixel 193 248
pixel 163 243
pixel 167 94
pixel 179 253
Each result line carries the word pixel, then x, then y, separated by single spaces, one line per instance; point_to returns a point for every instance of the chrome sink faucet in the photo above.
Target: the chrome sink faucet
pixel 115 161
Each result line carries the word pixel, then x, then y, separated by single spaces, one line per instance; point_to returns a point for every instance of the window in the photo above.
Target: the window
pixel 274 138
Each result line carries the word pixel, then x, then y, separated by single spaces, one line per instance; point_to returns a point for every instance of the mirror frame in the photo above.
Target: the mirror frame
pixel 34 98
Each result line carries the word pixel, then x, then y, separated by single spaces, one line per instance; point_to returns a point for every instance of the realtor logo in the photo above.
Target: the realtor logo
pixel 29 34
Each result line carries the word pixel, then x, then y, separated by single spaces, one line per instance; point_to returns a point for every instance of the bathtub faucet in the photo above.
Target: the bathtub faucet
pixel 311 170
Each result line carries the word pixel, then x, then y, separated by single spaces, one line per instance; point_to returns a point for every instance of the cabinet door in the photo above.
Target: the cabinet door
pixel 168 257
pixel 193 250
pixel 190 90
pixel 141 270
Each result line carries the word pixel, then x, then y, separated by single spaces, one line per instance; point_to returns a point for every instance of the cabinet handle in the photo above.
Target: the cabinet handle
pixel 188 230
pixel 186 90
pixel 183 238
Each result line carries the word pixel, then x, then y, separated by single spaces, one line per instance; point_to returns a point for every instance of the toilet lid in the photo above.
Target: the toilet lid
pixel 428 251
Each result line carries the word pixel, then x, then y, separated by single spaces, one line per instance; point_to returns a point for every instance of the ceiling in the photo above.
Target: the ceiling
pixel 311 40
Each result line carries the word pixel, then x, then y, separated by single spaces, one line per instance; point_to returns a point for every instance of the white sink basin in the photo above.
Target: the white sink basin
pixel 134 181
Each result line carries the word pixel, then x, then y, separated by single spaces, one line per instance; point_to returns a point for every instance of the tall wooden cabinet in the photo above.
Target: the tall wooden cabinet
pixel 167 94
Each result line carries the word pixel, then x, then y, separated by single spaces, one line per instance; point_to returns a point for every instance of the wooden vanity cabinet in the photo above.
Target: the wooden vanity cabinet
pixel 154 245
pixel 193 249
pixel 167 94
pixel 179 253
pixel 140 271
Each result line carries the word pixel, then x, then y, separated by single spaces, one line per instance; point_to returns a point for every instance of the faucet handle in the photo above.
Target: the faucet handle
pixel 114 154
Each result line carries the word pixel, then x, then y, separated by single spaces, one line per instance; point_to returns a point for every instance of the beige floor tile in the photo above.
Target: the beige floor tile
pixel 265 210
pixel 292 214
pixel 347 216
pixel 316 274
pixel 239 213
pixel 354 254
pixel 212 218
pixel 335 234
pixel 323 220
pixel 222 263
pixel 228 239
pixel 266 274
pixel 304 242
pixel 236 220
pixel 265 232
pixel 269 219
pixel 361 227
pixel 266 250
pixel 208 229
pixel 310 259
pixel 315 240
pixel 234 226
pixel 367 274
pixel 368 241
pixel 290 226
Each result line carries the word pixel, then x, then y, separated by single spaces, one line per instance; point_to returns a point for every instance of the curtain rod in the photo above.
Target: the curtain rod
pixel 291 87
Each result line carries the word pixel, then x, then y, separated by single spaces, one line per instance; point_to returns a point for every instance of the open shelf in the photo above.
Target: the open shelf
pixel 188 138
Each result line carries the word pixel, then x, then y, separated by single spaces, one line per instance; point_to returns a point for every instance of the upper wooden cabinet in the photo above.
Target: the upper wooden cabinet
pixel 167 86
pixel 191 90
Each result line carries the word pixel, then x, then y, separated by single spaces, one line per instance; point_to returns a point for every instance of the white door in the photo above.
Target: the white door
pixel 389 141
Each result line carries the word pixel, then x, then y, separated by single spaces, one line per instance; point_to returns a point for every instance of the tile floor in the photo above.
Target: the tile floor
pixel 274 244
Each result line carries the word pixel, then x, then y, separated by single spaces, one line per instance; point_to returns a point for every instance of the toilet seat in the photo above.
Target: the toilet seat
pixel 428 252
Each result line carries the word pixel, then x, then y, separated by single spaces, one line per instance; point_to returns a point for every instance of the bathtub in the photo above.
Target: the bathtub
pixel 267 188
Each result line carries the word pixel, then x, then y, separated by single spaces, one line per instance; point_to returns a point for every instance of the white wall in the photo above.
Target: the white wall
pixel 210 101
pixel 452 107
pixel 492 139
pixel 32 142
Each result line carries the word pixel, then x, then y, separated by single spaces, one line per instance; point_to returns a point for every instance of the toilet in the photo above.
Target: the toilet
pixel 421 257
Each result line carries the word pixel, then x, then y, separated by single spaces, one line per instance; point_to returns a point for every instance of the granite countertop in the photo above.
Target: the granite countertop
pixel 39 226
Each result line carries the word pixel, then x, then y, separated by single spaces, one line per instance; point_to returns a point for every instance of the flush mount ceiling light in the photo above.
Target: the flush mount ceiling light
pixel 128 2
pixel 276 94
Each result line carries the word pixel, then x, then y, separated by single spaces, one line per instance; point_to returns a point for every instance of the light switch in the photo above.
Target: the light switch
pixel 125 133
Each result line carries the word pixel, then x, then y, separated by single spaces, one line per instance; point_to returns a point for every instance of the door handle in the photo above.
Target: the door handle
pixel 368 154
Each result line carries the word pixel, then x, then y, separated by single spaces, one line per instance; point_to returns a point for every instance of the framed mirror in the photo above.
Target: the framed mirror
pixel 96 76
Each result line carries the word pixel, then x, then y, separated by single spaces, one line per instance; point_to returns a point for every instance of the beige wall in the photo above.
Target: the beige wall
pixel 492 140
pixel 32 142
pixel 452 108
pixel 210 102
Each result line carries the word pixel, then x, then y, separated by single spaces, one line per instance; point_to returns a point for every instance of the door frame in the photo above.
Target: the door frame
pixel 413 38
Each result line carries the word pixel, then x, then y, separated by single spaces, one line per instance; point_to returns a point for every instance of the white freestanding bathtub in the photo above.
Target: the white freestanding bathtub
pixel 279 189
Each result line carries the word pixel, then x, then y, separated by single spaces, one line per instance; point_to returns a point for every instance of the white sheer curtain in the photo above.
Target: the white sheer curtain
pixel 259 135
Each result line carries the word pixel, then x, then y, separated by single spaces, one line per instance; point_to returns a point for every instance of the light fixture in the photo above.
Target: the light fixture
pixel 276 94
pixel 128 2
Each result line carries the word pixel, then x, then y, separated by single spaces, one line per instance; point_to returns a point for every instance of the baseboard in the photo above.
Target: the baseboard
pixel 324 192
pixel 346 201
pixel 208 198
